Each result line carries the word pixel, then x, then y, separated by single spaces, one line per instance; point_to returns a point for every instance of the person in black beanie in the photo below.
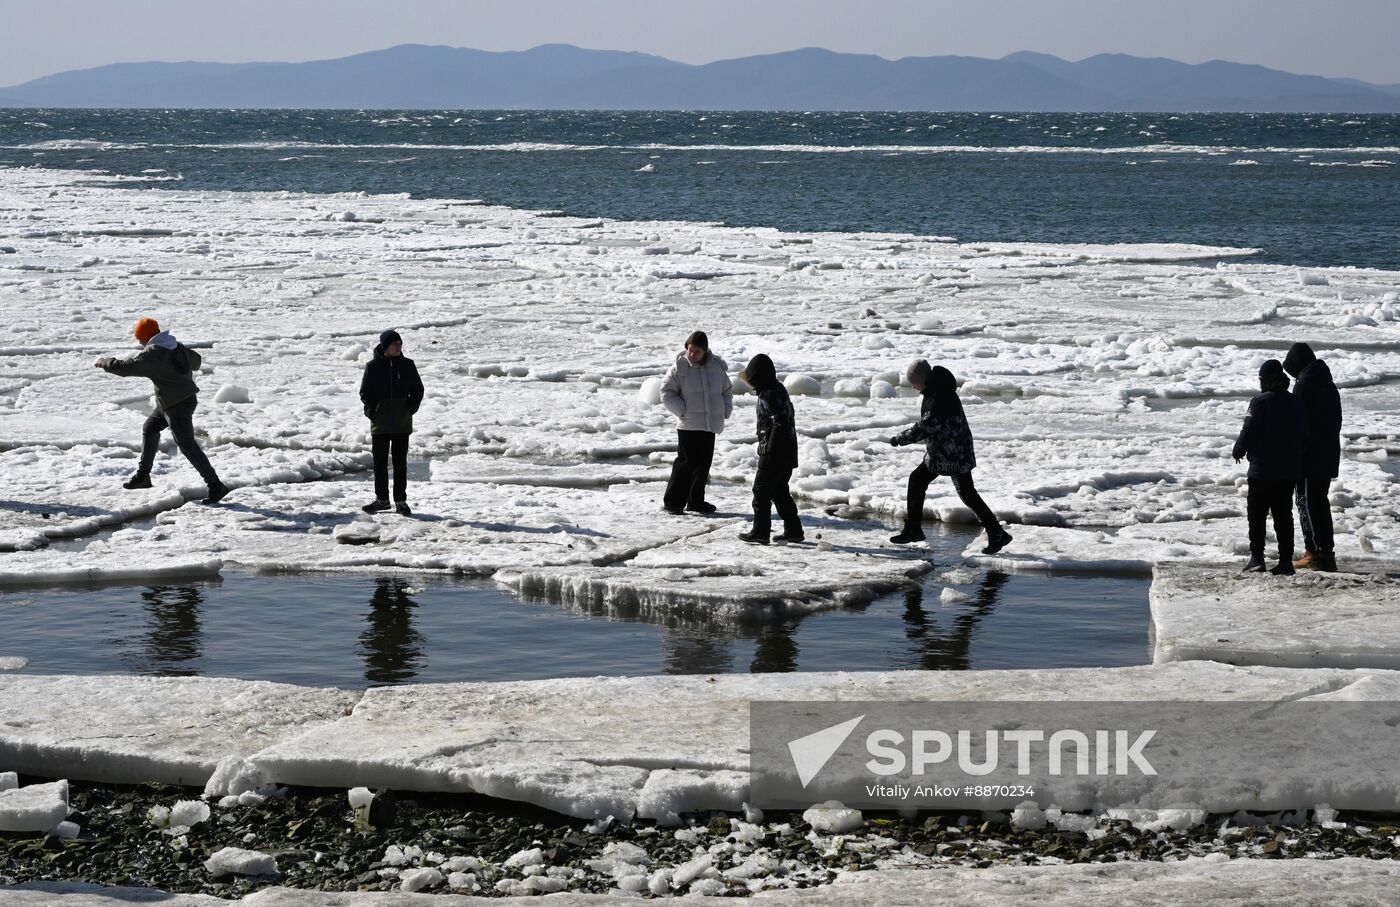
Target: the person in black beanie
pixel 777 455
pixel 1272 438
pixel 391 392
pixel 943 428
pixel 1322 454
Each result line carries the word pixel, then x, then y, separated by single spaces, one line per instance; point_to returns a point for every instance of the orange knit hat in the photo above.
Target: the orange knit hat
pixel 146 328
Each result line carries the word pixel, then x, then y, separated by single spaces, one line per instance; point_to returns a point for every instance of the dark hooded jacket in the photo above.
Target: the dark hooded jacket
pixel 391 392
pixel 170 370
pixel 942 427
pixel 1273 435
pixel 1322 408
pixel 777 424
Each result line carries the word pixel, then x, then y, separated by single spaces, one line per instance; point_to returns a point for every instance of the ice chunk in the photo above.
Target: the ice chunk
pixel 833 817
pixel 951 596
pixel 37 807
pixel 67 830
pixel 188 813
pixel 1028 816
pixel 883 390
pixel 237 861
pixel 9 781
pixel 235 775
pixel 232 393
pixel 802 385
pixel 851 387
pixel 419 879
pixel 533 856
pixel 13 663
pixel 691 870
pixel 650 392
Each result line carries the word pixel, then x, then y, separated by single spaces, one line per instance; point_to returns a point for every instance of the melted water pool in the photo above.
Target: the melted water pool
pixel 357 630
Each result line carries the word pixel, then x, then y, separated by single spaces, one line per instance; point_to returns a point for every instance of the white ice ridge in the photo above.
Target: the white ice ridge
pixel 1104 384
pixel 1311 620
pixel 1194 880
pixel 650 747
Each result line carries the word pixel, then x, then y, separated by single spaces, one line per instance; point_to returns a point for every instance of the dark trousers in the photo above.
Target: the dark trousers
pixel 1270 496
pixel 770 490
pixel 1315 514
pixel 919 481
pixel 180 420
pixel 691 471
pixel 384 444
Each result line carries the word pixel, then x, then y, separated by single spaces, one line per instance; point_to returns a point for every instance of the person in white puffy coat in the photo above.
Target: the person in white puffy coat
pixel 698 392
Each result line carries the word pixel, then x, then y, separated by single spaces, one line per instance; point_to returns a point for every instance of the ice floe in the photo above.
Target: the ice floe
pixel 1310 620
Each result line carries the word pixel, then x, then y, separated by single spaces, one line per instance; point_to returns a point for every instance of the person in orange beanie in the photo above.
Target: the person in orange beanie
pixel 171 366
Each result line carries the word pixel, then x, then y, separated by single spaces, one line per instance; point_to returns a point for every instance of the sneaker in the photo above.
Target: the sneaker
pixel 402 509
pixel 1283 568
pixel 753 537
pixel 705 507
pixel 1324 563
pixel 907 535
pixel 1255 565
pixel 376 506
pixel 997 542
pixel 790 535
pixel 673 511
pixel 217 492
pixel 1306 561
pixel 139 480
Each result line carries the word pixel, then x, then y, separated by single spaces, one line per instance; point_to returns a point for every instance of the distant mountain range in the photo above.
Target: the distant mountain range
pixel 560 76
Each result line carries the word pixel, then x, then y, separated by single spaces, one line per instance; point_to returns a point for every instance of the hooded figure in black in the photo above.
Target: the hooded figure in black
pixel 1322 453
pixel 947 452
pixel 1272 439
pixel 391 392
pixel 777 455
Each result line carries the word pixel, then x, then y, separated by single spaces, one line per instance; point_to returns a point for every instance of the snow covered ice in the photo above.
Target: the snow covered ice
pixel 1104 385
pixel 1310 620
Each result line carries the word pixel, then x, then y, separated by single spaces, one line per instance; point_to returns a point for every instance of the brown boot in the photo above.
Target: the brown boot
pixel 1306 561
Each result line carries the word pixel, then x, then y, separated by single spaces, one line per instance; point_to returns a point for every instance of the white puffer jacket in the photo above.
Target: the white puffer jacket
pixel 700 396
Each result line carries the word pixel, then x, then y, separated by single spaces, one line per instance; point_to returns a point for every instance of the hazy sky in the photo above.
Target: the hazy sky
pixel 1356 38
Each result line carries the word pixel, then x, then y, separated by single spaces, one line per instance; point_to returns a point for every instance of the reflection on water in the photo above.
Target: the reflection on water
pixel 354 631
pixel 948 649
pixel 173 640
pixel 391 648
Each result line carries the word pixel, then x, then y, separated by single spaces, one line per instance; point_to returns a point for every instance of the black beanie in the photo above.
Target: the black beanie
pixel 1299 357
pixel 388 337
pixel 760 372
pixel 1271 376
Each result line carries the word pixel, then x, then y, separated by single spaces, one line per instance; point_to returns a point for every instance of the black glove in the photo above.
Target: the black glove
pixel 896 442
pixel 369 410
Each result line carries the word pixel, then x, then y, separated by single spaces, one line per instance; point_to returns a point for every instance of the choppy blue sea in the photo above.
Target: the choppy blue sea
pixel 1311 190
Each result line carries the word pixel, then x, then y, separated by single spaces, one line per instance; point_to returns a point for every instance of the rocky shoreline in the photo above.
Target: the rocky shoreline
pixel 476 845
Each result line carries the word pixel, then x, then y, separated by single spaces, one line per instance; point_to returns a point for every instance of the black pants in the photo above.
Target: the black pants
pixel 770 490
pixel 919 481
pixel 383 444
pixel 1270 496
pixel 1315 514
pixel 691 471
pixel 180 420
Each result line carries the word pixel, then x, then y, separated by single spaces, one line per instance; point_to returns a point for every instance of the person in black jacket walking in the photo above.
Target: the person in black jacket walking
pixel 943 428
pixel 1272 438
pixel 171 367
pixel 777 455
pixel 1322 454
pixel 391 392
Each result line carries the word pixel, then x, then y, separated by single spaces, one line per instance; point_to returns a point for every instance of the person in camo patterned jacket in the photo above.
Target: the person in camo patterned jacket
pixel 947 451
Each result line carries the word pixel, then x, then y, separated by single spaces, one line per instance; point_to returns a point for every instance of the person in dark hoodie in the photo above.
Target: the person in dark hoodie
pixel 391 392
pixel 1322 454
pixel 777 455
pixel 943 428
pixel 171 366
pixel 1272 439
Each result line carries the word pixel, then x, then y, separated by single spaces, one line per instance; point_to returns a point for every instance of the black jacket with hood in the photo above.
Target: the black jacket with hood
pixel 942 427
pixel 391 392
pixel 1322 408
pixel 777 424
pixel 1274 432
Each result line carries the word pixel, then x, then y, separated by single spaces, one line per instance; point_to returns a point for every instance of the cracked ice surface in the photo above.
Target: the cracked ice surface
pixel 1104 383
pixel 1307 621
pixel 641 746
